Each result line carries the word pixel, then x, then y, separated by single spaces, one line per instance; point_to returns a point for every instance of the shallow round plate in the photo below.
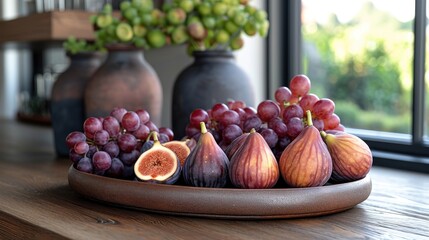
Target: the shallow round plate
pixel 221 202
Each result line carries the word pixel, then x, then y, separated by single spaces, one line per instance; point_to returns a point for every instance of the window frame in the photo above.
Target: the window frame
pixel 402 151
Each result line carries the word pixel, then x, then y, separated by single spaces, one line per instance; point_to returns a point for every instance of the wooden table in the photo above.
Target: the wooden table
pixel 37 203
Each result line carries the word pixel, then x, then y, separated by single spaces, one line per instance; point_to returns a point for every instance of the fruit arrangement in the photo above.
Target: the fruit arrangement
pixel 296 138
pixel 201 24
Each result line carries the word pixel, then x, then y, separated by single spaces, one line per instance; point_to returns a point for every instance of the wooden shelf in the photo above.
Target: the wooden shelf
pixel 47 26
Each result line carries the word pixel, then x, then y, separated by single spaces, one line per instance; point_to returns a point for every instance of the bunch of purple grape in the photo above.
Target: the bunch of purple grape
pixel 110 146
pixel 279 121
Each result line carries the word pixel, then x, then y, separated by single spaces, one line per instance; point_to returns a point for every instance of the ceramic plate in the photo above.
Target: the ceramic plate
pixel 221 202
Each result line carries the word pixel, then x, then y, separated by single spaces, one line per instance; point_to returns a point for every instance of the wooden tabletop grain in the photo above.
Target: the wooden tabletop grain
pixel 37 203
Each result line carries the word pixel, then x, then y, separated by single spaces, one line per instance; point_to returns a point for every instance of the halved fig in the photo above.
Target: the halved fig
pixel 180 148
pixel 158 164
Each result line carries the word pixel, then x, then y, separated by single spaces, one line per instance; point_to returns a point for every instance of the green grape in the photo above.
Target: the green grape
pixel 124 5
pixel 240 18
pixel 139 30
pixel 192 19
pixel 260 16
pixel 250 28
pixel 124 32
pixel 136 3
pixel 146 19
pixel 146 6
pixel 167 6
pixel 231 27
pixel 186 5
pixel 130 13
pixel 140 42
pixel 209 22
pixel 263 30
pixel 222 36
pixel 237 43
pixel 93 19
pixel 103 21
pixel 250 9
pixel 136 21
pixel 156 38
pixel 204 8
pixel 179 35
pixel 157 17
pixel 196 30
pixel 107 9
pixel 176 16
pixel 111 30
pixel 220 8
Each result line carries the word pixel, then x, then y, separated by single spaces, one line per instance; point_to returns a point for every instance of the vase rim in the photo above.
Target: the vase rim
pixel 122 47
pixel 84 53
pixel 213 53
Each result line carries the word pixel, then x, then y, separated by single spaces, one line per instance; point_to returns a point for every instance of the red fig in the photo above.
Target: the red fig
pixel 351 156
pixel 253 165
pixel 306 161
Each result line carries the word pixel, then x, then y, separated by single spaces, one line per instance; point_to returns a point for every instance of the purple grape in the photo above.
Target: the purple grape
pixel 130 121
pixel 142 132
pixel 143 116
pixel 92 149
pixel 73 138
pixel 128 172
pixel 279 128
pixel 73 156
pixel 127 142
pixel 129 158
pixel 101 137
pixel 282 143
pixel 81 148
pixel 101 160
pixel 294 127
pixel 167 131
pixel 116 170
pixel 319 124
pixel 91 126
pixel 270 137
pixel 112 126
pixel 118 113
pixel 230 133
pixel 152 126
pixel 268 110
pixel 84 165
pixel 111 148
pixel 163 138
pixel 229 117
pixel 293 110
pixel 252 122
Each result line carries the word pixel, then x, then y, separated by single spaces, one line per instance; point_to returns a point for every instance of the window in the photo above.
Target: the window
pixel 369 57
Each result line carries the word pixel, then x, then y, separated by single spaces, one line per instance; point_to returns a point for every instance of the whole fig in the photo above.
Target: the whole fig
pixel 254 165
pixel 306 161
pixel 235 145
pixel 206 165
pixel 351 156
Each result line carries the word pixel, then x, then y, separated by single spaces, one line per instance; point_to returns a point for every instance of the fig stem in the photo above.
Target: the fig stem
pixel 155 136
pixel 252 130
pixel 203 127
pixel 309 119
pixel 323 134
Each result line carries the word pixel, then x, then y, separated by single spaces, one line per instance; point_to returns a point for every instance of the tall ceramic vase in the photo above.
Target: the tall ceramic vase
pixel 127 80
pixel 213 77
pixel 67 105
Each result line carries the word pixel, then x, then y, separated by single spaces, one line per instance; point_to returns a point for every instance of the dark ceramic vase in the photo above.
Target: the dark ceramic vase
pixel 67 107
pixel 127 80
pixel 213 77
